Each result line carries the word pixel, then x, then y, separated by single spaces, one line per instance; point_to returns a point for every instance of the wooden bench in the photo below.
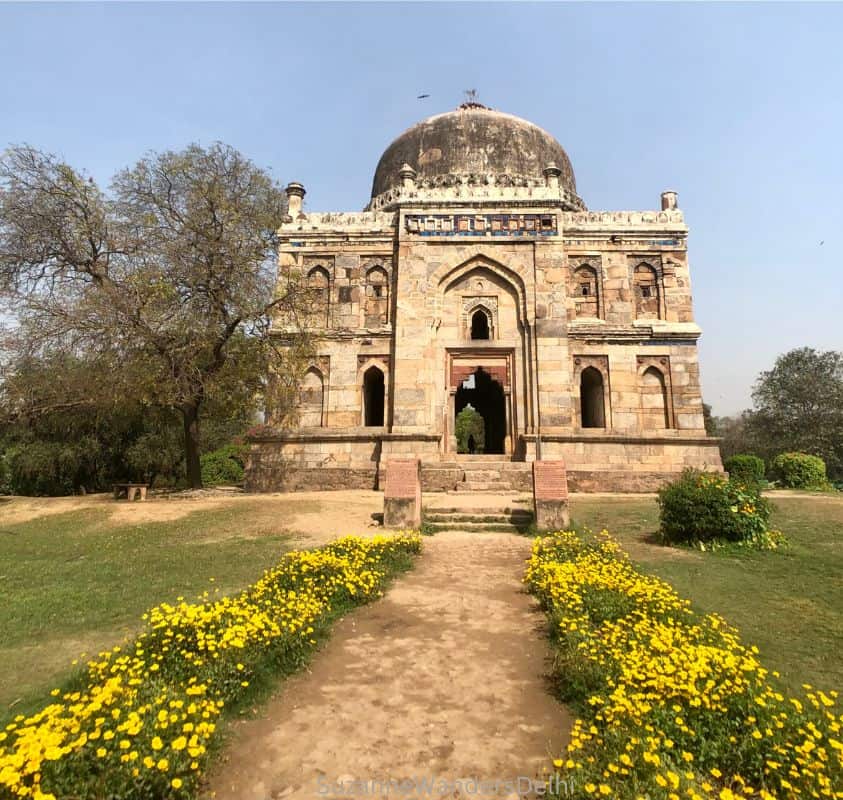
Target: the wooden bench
pixel 130 490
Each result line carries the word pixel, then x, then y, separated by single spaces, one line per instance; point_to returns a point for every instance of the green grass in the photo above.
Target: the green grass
pixel 789 603
pixel 76 583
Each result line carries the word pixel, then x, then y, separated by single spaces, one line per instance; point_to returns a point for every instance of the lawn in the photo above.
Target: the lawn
pixel 789 603
pixel 76 582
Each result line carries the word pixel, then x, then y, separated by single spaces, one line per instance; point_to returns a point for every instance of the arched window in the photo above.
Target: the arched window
pixel 311 399
pixel 319 284
pixel 592 400
pixel 654 400
pixel 377 297
pixel 373 397
pixel 586 291
pixel 647 301
pixel 480 328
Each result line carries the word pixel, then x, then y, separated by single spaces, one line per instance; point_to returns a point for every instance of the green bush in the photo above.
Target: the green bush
pixel 703 507
pixel 800 471
pixel 470 423
pixel 223 466
pixel 746 468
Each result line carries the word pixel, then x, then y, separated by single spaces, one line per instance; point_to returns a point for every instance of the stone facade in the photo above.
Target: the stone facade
pixel 571 331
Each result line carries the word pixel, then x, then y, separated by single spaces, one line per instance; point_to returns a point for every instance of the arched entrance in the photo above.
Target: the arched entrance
pixel 373 397
pixel 592 402
pixel 486 397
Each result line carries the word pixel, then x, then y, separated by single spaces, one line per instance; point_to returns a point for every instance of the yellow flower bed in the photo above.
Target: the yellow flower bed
pixel 671 704
pixel 141 720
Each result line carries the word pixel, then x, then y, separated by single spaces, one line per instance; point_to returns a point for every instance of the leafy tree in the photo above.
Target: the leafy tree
pixel 166 283
pixel 709 421
pixel 737 437
pixel 50 447
pixel 798 406
pixel 470 423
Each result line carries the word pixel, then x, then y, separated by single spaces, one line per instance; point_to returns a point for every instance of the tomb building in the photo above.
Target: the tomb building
pixel 476 276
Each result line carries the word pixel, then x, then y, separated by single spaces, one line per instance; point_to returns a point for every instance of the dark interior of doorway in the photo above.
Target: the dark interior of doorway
pixel 373 397
pixel 487 398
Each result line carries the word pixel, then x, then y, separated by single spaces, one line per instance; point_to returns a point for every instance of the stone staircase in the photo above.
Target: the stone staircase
pixel 507 519
pixel 476 474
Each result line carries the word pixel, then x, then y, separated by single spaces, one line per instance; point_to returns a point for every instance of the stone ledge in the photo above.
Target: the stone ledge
pixel 680 438
pixel 326 435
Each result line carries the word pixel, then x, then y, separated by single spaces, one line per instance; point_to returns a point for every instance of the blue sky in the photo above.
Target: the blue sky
pixel 739 107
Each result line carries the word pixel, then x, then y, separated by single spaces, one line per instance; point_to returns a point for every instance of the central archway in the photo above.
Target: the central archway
pixel 486 396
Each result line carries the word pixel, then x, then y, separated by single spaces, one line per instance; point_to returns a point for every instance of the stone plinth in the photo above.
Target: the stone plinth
pixel 550 495
pixel 402 493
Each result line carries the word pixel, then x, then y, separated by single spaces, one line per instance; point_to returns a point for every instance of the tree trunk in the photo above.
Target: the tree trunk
pixel 190 413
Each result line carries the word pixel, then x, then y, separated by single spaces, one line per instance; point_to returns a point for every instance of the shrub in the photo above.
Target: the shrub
pixel 800 471
pixel 223 466
pixel 746 468
pixel 704 507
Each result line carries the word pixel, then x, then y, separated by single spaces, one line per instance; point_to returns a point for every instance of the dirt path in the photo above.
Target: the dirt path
pixel 440 680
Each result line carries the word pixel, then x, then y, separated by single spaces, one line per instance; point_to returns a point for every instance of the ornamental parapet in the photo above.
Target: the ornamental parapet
pixel 612 220
pixel 351 222
pixel 481 189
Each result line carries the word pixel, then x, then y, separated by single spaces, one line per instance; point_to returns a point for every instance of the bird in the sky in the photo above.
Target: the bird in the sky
pixel 422 96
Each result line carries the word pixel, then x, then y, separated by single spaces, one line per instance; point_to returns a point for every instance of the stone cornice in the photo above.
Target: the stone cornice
pixel 341 435
pixel 326 334
pixel 670 436
pixel 651 332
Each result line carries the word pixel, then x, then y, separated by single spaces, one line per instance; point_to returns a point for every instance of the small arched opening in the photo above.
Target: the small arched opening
pixel 647 301
pixel 654 401
pixel 592 400
pixel 373 397
pixel 311 399
pixel 586 292
pixel 377 297
pixel 480 327
pixel 319 284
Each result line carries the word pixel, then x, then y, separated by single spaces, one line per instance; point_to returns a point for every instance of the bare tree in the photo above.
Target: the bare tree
pixel 169 277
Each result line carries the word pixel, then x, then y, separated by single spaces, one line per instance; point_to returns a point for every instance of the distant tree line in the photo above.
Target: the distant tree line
pixel 797 407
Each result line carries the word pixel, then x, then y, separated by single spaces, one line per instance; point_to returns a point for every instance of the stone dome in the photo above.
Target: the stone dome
pixel 475 142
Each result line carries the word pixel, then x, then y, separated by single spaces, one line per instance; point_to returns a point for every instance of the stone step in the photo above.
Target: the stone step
pixel 478 527
pixel 483 486
pixel 450 510
pixel 481 517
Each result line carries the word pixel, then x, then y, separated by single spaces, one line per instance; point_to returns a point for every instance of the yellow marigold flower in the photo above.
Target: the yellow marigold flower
pixel 163 764
pixel 176 783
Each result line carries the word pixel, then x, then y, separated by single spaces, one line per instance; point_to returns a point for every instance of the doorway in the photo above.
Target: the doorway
pixel 373 397
pixel 481 393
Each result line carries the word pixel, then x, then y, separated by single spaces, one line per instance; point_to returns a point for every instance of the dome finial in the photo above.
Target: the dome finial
pixel 472 100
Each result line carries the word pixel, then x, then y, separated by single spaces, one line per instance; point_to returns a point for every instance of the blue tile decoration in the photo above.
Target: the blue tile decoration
pixel 486 225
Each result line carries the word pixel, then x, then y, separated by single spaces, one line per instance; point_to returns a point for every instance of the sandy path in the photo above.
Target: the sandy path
pixel 441 679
